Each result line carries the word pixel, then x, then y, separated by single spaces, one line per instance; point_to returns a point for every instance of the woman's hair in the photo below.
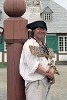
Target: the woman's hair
pixel 30 34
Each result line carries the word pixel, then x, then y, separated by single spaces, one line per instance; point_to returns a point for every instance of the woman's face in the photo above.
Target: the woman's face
pixel 39 33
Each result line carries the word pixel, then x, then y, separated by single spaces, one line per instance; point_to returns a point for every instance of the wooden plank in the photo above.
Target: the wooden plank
pixel 15 83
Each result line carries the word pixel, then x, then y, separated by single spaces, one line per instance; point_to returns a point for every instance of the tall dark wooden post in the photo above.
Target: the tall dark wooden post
pixel 15 34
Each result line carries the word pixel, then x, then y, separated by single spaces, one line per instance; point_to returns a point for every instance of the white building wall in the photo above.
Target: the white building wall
pixel 4 16
pixel 32 13
pixel 5 57
pixel 0 56
pixel 62 57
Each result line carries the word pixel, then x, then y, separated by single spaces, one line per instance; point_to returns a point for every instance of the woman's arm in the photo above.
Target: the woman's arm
pixel 45 72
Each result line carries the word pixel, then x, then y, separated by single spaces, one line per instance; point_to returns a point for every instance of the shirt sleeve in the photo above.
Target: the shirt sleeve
pixel 30 60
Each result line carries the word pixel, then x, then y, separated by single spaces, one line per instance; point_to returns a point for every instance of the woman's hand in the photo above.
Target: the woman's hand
pixel 50 73
pixel 52 81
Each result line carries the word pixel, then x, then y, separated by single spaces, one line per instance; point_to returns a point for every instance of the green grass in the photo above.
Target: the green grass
pixel 3 65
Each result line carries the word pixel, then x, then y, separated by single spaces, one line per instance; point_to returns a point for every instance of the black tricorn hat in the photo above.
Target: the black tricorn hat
pixel 36 24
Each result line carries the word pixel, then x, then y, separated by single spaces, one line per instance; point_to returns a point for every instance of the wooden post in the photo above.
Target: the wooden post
pixel 15 34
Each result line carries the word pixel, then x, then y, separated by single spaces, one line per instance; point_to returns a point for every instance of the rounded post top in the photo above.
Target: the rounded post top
pixel 14 8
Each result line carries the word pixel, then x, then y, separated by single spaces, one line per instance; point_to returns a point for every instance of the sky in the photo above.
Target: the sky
pixel 63 3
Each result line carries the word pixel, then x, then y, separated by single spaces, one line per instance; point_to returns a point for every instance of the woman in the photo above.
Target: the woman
pixel 34 67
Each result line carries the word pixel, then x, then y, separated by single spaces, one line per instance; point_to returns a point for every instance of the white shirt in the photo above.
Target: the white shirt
pixel 29 63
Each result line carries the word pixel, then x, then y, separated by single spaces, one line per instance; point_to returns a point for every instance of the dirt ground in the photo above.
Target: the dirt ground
pixel 3 84
pixel 58 90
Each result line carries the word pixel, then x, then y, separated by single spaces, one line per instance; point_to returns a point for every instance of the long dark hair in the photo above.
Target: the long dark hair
pixel 30 34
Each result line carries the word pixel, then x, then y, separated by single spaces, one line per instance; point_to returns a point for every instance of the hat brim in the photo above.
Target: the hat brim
pixel 37 24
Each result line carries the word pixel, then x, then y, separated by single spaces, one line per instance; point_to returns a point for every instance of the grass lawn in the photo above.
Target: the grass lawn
pixel 3 65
